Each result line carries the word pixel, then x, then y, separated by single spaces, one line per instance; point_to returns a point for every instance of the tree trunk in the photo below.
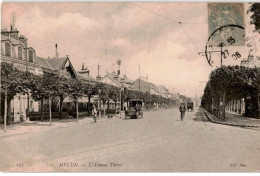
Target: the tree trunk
pixel 108 105
pixel 5 111
pixel 42 108
pixel 9 111
pixel 61 104
pixel 77 110
pixel 89 97
pixel 28 105
pixel 224 106
pixel 50 107
pixel 115 107
pixel 104 109
pixel 258 105
pixel 240 104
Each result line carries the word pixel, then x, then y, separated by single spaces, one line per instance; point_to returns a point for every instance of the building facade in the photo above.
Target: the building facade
pixel 15 50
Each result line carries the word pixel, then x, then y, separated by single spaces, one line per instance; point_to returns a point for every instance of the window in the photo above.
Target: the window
pixel 20 53
pixel 8 49
pixel 30 56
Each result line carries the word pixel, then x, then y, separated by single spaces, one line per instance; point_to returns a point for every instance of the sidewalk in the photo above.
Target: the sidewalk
pixel 32 127
pixel 234 120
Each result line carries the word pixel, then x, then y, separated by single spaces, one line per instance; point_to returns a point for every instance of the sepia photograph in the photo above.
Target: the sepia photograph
pixel 124 87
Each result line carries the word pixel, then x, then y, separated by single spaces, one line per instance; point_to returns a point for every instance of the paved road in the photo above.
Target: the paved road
pixel 158 142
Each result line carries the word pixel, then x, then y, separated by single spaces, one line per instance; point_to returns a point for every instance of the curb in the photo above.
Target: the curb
pixel 229 124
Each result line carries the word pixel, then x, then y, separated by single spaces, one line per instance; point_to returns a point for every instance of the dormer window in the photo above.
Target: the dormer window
pixel 30 56
pixel 8 49
pixel 20 53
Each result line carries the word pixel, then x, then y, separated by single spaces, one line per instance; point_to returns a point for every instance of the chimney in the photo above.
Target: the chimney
pixel 56 53
pixel 82 66
pixel 118 66
pixel 23 39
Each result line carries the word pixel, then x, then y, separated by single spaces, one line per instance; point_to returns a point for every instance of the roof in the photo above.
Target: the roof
pixel 88 77
pixel 54 64
pixel 12 40
pixel 43 63
pixel 111 77
pixel 57 63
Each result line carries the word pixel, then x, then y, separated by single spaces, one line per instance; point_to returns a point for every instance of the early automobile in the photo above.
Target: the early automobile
pixel 135 109
pixel 190 105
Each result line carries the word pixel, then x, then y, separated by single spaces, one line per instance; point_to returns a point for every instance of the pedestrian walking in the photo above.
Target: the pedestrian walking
pixel 94 113
pixel 182 110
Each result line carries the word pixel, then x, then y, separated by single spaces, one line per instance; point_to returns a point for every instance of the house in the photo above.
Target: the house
pixel 111 79
pixel 128 83
pixel 61 66
pixel 15 50
pixel 141 85
pixel 84 75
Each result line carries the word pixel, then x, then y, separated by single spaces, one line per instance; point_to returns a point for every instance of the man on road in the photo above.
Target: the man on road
pixel 182 110
pixel 94 113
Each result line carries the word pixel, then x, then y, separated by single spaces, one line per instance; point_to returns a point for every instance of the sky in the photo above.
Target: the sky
pixel 145 34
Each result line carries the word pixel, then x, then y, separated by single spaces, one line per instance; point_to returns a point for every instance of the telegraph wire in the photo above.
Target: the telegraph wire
pixel 188 35
pixel 167 18
pixel 155 13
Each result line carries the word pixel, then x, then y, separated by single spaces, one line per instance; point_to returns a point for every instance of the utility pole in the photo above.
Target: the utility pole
pixel 98 76
pixel 139 77
pixel 13 20
pixel 56 50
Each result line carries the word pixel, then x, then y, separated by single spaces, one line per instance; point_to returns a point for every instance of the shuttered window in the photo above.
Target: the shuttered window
pixel 20 53
pixel 30 56
pixel 8 49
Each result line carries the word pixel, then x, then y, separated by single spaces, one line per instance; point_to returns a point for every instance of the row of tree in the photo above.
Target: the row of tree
pixel 233 83
pixel 50 85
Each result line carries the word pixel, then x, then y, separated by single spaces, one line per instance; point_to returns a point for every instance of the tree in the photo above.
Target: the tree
pixel 62 91
pixel 76 91
pixel 11 84
pixel 49 87
pixel 104 96
pixel 255 17
pixel 27 80
pixel 38 92
pixel 233 83
pixel 114 95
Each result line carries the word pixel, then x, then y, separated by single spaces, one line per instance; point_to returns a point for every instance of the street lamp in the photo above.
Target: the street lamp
pixel 99 108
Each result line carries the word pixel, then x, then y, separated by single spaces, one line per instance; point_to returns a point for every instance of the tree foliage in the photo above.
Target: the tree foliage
pixel 255 17
pixel 238 82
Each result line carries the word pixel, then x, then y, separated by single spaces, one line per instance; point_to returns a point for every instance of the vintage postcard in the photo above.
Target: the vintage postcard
pixel 130 87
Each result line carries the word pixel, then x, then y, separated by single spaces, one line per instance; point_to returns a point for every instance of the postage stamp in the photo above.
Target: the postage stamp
pixel 223 14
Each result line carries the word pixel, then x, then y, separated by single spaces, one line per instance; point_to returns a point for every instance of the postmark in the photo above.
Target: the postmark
pixel 223 43
pixel 225 14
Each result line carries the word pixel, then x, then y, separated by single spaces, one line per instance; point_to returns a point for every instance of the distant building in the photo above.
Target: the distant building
pixel 141 85
pixel 84 74
pixel 144 86
pixel 251 61
pixel 164 92
pixel 111 79
pixel 115 80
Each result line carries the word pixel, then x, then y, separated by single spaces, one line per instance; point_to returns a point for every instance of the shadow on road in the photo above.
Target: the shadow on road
pixel 33 124
pixel 199 117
